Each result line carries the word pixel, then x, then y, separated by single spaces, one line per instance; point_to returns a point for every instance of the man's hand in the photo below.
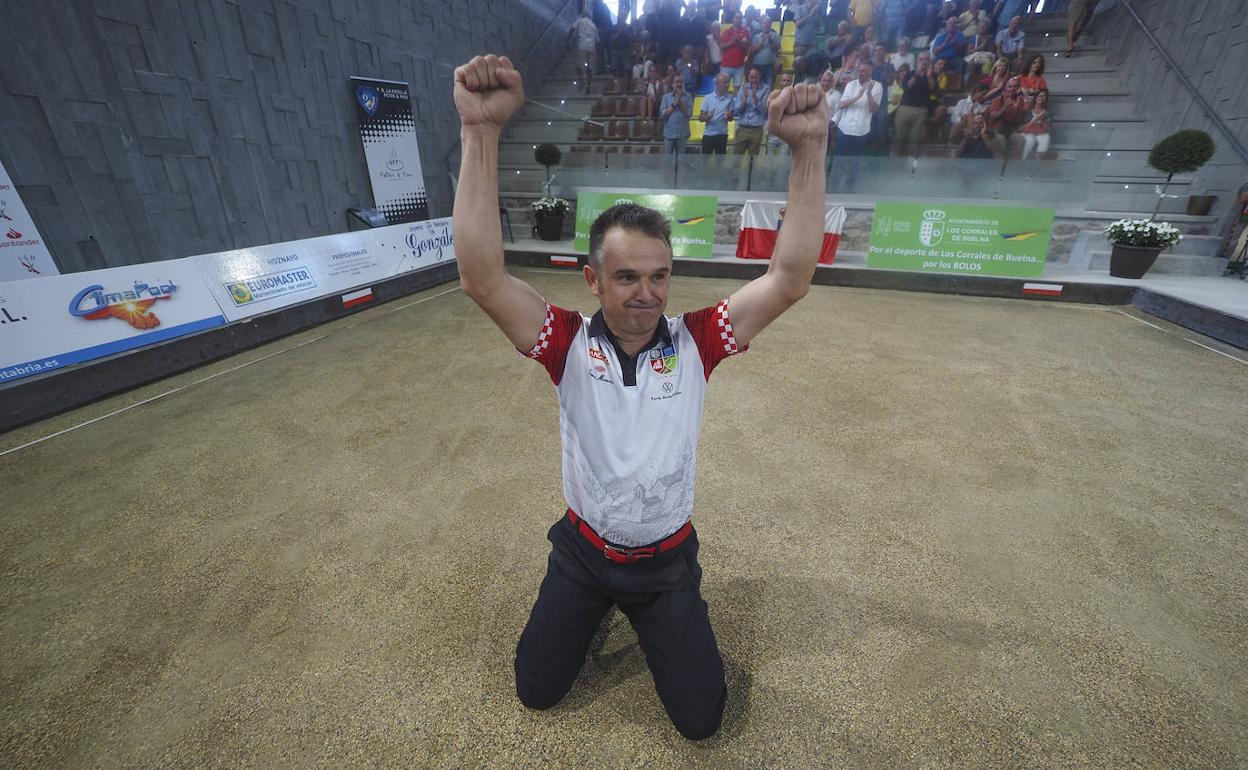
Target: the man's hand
pixel 798 115
pixel 488 90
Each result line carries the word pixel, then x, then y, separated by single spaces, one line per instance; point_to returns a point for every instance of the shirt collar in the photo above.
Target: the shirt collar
pixel 598 328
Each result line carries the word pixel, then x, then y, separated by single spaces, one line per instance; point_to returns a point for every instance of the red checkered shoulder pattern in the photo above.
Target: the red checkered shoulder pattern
pixel 558 331
pixel 712 333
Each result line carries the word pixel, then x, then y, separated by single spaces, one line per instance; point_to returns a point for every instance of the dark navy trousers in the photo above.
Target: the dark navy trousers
pixel 660 596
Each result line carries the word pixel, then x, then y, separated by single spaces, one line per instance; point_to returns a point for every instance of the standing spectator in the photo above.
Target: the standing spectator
pixel 861 98
pixel 916 18
pixel 977 142
pixel 764 50
pixel 911 118
pixel 602 20
pixel 667 29
pixel 805 14
pixel 753 22
pixel 586 35
pixel 838 45
pixel 1077 17
pixel 775 146
pixel 860 12
pixel 1006 10
pixel 981 52
pixel 1010 42
pixel 827 84
pixel 1037 128
pixel 714 54
pixel 903 55
pixel 882 73
pixel 716 112
pixel 621 44
pixel 948 45
pixel 688 69
pixel 675 111
pixel 893 13
pixel 734 44
pixel 624 9
pixel 1032 81
pixel 971 18
pixel 1005 116
pixel 751 113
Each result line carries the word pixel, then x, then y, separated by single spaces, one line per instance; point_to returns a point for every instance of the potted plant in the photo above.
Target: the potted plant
pixel 1137 242
pixel 548 218
pixel 547 155
pixel 1180 153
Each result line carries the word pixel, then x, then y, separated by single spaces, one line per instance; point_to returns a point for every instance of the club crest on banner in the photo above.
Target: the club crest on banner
pixel 368 99
pixel 932 228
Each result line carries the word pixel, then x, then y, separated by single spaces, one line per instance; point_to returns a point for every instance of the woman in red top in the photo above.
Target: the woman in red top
pixel 1036 130
pixel 1032 82
pixel 734 44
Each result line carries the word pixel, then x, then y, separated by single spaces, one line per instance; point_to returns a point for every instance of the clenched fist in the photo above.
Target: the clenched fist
pixel 488 90
pixel 799 116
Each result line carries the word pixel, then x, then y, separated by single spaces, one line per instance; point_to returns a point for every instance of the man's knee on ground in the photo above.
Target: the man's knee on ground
pixel 698 724
pixel 537 696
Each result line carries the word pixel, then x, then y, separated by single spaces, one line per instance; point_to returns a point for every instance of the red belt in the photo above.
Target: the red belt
pixel 629 555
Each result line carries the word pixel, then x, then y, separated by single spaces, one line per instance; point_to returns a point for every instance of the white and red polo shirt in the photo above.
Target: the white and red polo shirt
pixel 630 427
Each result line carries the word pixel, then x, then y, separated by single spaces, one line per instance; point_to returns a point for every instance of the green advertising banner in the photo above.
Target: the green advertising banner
pixel 692 218
pixel 984 240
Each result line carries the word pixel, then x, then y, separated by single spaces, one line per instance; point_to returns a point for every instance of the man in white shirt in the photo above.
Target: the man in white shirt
pixel 631 383
pixel 859 101
pixel 586 37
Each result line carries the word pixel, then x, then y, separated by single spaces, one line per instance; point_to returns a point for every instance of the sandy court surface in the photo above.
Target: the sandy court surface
pixel 936 532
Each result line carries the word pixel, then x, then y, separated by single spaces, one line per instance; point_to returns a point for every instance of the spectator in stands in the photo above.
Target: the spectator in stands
pixel 667 30
pixel 734 44
pixel 980 53
pixel 960 115
pixel 652 91
pixel 894 96
pixel 585 34
pixel 1006 10
pixel 903 56
pixel 833 97
pixel 859 102
pixel 643 65
pixel 937 112
pixel 750 111
pixel 943 77
pixel 716 112
pixel 602 20
pixel 764 49
pixel 805 16
pixel 754 22
pixel 688 68
pixel 882 73
pixel 860 14
pixel 838 45
pixel 621 45
pixel 949 45
pixel 994 82
pixel 1010 42
pixel 624 9
pixel 971 18
pixel 775 146
pixel 1005 116
pixel 1078 14
pixel 977 142
pixel 675 111
pixel 1036 131
pixel 948 10
pixel 893 15
pixel 1032 81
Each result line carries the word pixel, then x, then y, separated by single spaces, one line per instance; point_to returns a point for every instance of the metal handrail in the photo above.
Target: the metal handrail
pixel 1238 146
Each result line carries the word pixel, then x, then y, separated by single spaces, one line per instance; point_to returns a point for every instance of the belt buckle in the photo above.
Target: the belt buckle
pixel 633 554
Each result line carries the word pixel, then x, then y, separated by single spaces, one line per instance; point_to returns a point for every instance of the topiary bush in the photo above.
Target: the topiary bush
pixel 547 155
pixel 1179 153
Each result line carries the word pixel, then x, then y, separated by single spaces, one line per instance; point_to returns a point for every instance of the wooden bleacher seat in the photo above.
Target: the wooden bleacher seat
pixel 601 108
pixel 620 130
pixel 643 131
pixel 589 132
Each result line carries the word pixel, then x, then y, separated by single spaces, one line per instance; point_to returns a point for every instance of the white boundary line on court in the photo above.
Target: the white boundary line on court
pixel 206 379
pixel 1163 330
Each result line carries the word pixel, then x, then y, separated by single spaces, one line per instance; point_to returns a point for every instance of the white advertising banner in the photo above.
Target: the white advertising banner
pixel 423 244
pixel 23 253
pixel 388 132
pixel 50 323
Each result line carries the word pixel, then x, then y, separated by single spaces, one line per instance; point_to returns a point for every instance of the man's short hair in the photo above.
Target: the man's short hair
pixel 628 216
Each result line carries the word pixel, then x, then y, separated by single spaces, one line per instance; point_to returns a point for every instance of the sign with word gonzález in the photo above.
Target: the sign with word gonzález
pixel 938 238
pixel 692 218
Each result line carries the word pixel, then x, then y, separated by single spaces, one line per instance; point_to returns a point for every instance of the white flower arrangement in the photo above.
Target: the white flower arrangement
pixel 1143 232
pixel 550 206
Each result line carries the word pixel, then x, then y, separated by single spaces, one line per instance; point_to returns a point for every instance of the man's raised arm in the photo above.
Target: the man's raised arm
pixel 488 90
pixel 799 116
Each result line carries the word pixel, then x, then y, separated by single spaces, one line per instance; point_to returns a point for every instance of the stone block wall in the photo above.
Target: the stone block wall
pixel 141 130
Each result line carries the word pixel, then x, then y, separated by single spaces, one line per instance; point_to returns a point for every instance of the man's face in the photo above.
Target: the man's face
pixel 1014 22
pixel 879 54
pixel 721 84
pixel 631 283
pixel 737 19
pixel 951 25
pixel 755 79
pixel 924 60
pixel 826 81
pixel 686 53
pixel 864 71
pixel 1011 87
pixel 678 87
pixel 903 46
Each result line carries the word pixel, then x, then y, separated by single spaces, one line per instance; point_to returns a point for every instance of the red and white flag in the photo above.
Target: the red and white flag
pixel 761 222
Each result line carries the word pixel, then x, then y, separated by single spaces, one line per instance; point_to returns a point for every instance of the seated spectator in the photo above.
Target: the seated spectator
pixel 642 67
pixel 775 146
pixel 652 91
pixel 1036 131
pixel 805 17
pixel 689 69
pixel 860 14
pixel 675 111
pixel 734 44
pixel 838 45
pixel 903 56
pixel 949 45
pixel 1005 116
pixel 960 115
pixel 764 49
pixel 937 112
pixel 895 90
pixel 977 142
pixel 750 111
pixel 971 19
pixel 1032 81
pixel 944 78
pixel 1010 42
pixel 1005 10
pixel 994 82
pixel 716 112
pixel 947 10
pixel 981 52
